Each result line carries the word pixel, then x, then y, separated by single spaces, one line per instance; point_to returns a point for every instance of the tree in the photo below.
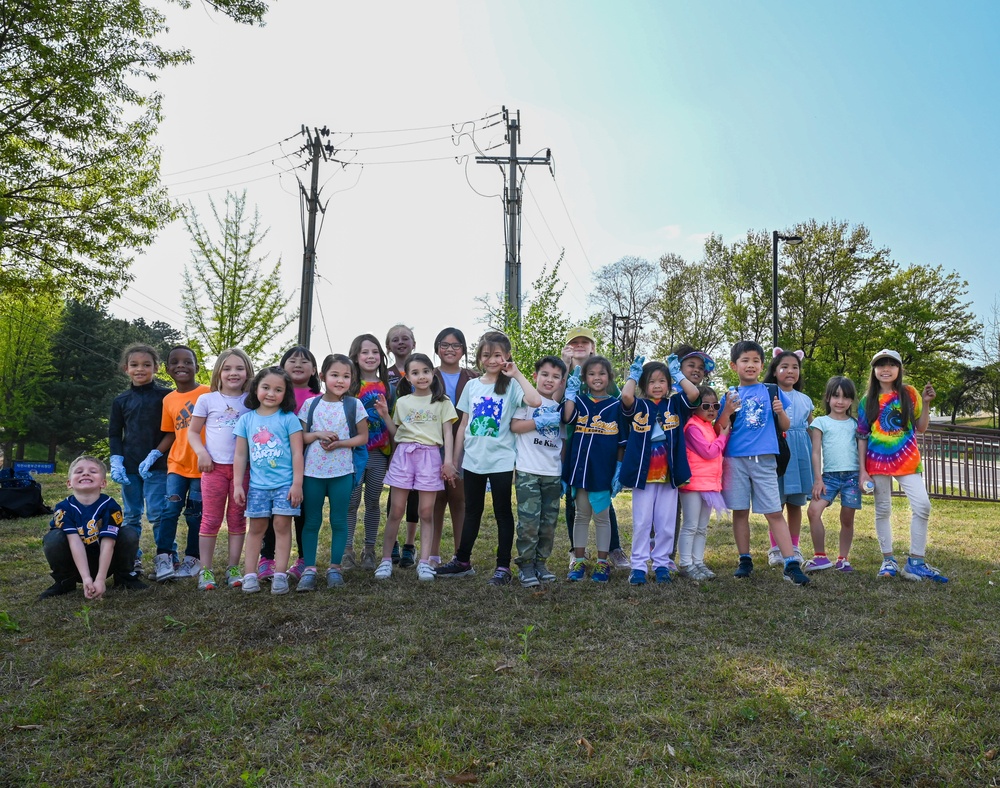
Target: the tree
pixel 625 293
pixel 741 273
pixel 79 171
pixel 688 309
pixel 227 298
pixel 966 395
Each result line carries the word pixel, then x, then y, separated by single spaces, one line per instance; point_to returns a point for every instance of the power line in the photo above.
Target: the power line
pixel 231 185
pixel 571 224
pixel 418 128
pixel 226 161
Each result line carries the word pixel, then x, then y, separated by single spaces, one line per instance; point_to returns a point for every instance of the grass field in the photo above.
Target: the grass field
pixel 850 681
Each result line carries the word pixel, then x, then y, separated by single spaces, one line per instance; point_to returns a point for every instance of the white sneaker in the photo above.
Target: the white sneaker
pixel 384 570
pixel 774 557
pixel 798 555
pixel 250 583
pixel 425 572
pixel 163 565
pixel 190 567
pixel 279 583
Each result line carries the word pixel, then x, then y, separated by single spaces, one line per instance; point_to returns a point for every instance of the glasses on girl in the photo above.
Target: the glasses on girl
pixel 710 406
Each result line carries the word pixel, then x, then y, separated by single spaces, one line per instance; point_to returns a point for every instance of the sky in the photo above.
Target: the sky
pixel 667 121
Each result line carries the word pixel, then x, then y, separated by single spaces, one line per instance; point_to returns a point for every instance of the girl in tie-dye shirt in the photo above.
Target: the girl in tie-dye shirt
pixel 889 417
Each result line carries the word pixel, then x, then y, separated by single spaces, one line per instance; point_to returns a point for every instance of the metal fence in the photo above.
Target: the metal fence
pixel 964 465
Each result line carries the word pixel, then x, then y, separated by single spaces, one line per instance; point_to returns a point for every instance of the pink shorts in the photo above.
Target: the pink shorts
pixel 415 467
pixel 217 502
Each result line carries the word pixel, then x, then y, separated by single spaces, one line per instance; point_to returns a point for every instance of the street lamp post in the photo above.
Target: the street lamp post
pixel 788 239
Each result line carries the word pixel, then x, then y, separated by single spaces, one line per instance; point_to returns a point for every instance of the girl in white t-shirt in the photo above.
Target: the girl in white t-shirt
pixel 328 473
pixel 835 468
pixel 421 427
pixel 217 413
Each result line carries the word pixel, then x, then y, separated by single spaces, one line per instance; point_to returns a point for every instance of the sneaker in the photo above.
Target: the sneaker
pixel 137 568
pixel 843 565
pixel 384 571
pixel 279 583
pixel 61 587
pixel 265 569
pixel 817 563
pixel 528 576
pixel 579 570
pixel 368 558
pixel 925 571
pixel 395 552
pixel 637 577
pixel 434 561
pixel 234 578
pixel 889 568
pixel 163 564
pixel 618 559
pixel 250 584
pixel 334 577
pixel 543 573
pixel 692 572
pixel 662 574
pixel 797 555
pixel 745 569
pixel 129 583
pixel 501 577
pixel 707 573
pixel 408 558
pixel 774 557
pixel 793 573
pixel 425 572
pixel 308 581
pixel 190 567
pixel 602 572
pixel 206 580
pixel 455 568
pixel 348 562
pixel 295 570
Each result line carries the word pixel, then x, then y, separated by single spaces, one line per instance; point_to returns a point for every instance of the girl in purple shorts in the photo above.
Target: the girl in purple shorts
pixel 420 427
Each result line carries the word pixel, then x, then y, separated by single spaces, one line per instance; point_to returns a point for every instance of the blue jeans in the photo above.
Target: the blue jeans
pixel 148 493
pixel 182 494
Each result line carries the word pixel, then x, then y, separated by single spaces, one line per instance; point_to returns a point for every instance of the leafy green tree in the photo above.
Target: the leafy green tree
pixel 79 170
pixel 688 309
pixel 228 298
pixel 741 273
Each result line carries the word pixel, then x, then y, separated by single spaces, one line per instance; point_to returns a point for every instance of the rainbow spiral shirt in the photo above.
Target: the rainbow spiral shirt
pixel 892 447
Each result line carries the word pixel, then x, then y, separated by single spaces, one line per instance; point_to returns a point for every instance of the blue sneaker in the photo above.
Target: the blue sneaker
pixel 662 574
pixel 889 568
pixel 925 571
pixel 579 570
pixel 745 569
pixel 602 572
pixel 637 578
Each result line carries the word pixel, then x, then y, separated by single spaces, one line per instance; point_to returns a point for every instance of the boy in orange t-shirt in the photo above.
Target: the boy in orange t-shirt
pixel 183 476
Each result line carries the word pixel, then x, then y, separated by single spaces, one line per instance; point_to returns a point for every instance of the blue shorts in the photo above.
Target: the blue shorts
pixel 793 499
pixel 845 483
pixel 264 503
pixel 751 479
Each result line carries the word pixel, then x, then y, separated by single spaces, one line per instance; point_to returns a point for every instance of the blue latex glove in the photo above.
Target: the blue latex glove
pixel 635 371
pixel 674 365
pixel 546 419
pixel 118 470
pixel 573 385
pixel 146 464
pixel 616 483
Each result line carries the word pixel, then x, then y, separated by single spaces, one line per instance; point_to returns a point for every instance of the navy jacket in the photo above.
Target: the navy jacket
pixel 635 464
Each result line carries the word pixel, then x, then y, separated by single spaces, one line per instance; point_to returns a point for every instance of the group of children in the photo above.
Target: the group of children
pixel 268 450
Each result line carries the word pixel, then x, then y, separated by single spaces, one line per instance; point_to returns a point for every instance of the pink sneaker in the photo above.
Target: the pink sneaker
pixel 265 569
pixel 296 569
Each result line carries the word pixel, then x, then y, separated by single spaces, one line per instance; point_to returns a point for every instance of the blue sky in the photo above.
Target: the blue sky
pixel 667 121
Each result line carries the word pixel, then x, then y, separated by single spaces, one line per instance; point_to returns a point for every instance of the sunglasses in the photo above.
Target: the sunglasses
pixel 710 406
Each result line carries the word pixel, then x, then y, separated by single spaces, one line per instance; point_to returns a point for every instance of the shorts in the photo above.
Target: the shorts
pixel 845 483
pixel 415 466
pixel 746 479
pixel 793 499
pixel 265 503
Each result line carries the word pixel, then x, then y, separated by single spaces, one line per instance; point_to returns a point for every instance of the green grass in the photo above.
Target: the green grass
pixel 851 681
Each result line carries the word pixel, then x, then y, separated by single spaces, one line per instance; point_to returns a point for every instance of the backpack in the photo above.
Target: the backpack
pixel 359 453
pixel 784 453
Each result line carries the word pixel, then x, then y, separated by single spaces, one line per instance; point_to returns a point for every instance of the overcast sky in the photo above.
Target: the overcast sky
pixel 667 121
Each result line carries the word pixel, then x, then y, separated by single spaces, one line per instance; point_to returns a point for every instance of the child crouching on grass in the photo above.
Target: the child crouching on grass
pixel 86 541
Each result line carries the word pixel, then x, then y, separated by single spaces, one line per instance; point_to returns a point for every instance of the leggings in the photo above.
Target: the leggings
pixel 616 541
pixel 378 464
pixel 694 529
pixel 501 485
pixel 581 528
pixel 315 492
pixel 912 486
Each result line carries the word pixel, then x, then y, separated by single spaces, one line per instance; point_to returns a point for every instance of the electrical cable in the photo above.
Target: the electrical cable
pixel 234 158
pixel 418 128
pixel 231 185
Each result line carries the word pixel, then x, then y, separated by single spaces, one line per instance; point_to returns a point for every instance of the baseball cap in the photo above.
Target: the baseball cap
pixel 886 353
pixel 580 331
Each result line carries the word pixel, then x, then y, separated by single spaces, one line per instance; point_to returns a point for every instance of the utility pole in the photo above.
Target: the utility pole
pixel 315 150
pixel 512 209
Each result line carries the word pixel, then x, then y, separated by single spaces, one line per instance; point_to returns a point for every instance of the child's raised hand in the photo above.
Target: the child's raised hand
pixel 510 368
pixel 928 393
pixel 382 407
pixel 635 371
pixel 776 405
pixel 573 385
pixel 732 403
